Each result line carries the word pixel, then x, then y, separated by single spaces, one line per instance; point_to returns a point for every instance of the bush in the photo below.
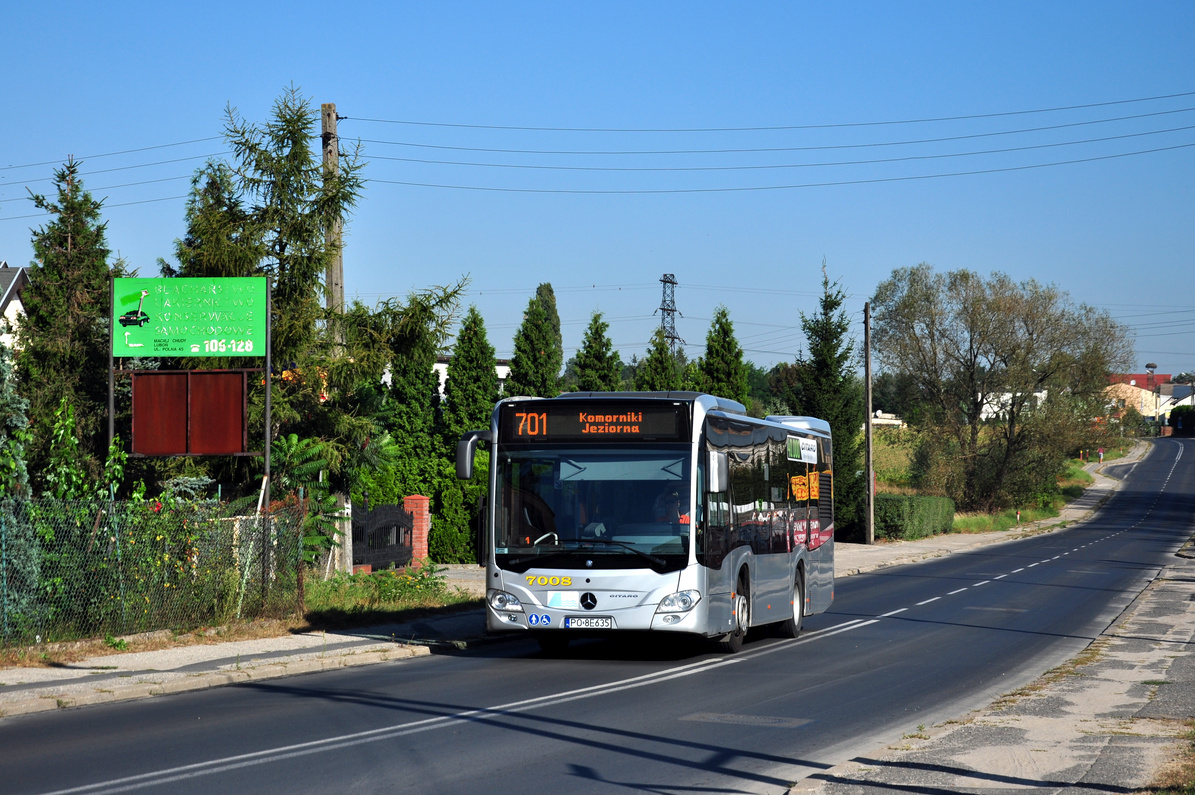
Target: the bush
pixel 906 517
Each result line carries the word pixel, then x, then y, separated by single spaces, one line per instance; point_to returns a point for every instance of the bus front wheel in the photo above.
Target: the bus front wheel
pixel 732 642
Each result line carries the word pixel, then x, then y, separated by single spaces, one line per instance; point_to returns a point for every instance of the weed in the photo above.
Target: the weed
pixel 119 644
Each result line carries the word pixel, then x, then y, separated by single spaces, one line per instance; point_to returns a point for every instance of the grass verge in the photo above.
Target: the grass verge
pixel 344 602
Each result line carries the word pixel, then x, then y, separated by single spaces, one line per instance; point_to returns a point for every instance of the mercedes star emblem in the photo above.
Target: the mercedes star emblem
pixel 588 601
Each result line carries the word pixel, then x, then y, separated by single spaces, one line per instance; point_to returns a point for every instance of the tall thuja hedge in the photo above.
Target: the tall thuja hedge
pixel 470 392
pixel 535 365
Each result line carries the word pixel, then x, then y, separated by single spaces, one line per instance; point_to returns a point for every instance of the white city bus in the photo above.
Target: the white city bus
pixel 616 512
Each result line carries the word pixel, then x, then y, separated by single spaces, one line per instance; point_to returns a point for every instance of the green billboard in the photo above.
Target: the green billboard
pixel 189 317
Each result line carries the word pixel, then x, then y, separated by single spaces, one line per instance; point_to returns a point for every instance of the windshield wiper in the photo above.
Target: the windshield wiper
pixel 629 548
pixel 581 548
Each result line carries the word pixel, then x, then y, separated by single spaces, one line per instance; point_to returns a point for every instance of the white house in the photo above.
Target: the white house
pixel 998 404
pixel 12 282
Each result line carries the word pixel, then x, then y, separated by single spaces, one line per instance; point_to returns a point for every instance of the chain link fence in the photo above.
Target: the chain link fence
pixel 71 570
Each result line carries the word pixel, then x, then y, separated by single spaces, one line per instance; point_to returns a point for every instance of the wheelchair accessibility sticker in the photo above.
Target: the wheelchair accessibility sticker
pixel 536 619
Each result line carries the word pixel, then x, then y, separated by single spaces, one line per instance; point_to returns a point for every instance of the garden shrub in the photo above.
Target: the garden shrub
pixel 905 516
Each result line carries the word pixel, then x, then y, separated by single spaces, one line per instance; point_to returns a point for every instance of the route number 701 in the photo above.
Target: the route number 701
pixel 532 424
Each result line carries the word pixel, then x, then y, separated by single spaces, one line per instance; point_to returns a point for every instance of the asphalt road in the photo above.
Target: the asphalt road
pixel 902 648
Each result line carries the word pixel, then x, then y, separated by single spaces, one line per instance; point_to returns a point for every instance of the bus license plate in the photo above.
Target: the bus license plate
pixel 589 622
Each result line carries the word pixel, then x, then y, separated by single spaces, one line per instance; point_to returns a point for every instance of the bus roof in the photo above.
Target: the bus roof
pixel 803 423
pixel 711 402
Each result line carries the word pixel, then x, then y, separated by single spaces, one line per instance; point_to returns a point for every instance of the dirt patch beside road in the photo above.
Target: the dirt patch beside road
pixel 1114 719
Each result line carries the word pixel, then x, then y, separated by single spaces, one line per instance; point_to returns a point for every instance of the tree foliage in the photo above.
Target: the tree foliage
pixel 723 371
pixel 223 237
pixel 598 366
pixel 547 299
pixel 658 372
pixel 830 389
pixel 14 433
pixel 1013 376
pixel 471 387
pixel 63 338
pixel 535 365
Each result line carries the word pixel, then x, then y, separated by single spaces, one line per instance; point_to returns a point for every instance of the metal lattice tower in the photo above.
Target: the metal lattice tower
pixel 668 312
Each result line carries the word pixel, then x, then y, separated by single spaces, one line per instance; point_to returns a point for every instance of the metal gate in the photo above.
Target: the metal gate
pixel 382 536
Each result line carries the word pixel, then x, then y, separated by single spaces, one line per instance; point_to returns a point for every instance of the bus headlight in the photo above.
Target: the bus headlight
pixel 680 602
pixel 501 600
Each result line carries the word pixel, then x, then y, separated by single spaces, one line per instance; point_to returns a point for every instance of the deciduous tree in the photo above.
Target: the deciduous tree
pixel 1013 375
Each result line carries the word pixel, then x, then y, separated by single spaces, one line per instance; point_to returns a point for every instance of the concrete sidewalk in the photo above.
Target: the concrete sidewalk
pixel 117 676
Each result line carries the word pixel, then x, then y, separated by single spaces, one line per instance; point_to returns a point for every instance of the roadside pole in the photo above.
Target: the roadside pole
pixel 869 465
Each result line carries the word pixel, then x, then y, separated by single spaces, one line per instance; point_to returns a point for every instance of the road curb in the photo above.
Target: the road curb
pixel 185 683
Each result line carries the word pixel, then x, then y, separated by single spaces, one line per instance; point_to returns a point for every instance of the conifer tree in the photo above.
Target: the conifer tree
pixel 63 338
pixel 471 388
pixel 722 368
pixel 222 238
pixel 470 392
pixel 598 366
pixel 547 299
pixel 410 409
pixel 293 203
pixel 658 372
pixel 830 390
pixel 535 365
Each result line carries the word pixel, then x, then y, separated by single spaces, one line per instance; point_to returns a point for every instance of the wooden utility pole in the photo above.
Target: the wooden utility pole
pixel 334 281
pixel 869 464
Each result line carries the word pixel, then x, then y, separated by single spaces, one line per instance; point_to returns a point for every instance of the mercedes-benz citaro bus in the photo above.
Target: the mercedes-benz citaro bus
pixel 619 512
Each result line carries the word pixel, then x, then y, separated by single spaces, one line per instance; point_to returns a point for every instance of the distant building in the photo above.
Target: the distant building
pixel 996 405
pixel 1171 396
pixel 12 282
pixel 1131 393
pixel 884 420
pixel 501 366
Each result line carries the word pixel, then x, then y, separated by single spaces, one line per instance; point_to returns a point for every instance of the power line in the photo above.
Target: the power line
pixel 773 166
pixel 106 206
pixel 117 168
pixel 113 154
pixel 834 126
pixel 769 149
pixel 112 187
pixel 747 188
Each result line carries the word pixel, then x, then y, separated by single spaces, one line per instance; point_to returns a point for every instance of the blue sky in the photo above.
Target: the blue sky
pixel 620 181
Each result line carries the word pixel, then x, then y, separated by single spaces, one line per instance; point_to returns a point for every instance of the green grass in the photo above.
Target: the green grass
pixel 349 600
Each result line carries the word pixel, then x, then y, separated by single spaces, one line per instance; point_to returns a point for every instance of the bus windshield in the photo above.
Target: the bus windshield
pixel 593 507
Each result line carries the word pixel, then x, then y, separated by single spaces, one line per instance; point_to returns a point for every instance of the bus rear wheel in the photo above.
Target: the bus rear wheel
pixel 791 627
pixel 732 642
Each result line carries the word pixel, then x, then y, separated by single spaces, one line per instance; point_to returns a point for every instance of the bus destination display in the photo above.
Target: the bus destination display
pixel 543 421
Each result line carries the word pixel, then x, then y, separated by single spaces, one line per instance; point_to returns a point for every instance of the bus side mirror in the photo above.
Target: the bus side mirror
pixel 719 472
pixel 465 449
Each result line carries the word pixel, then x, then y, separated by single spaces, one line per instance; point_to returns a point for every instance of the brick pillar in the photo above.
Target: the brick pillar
pixel 417 506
